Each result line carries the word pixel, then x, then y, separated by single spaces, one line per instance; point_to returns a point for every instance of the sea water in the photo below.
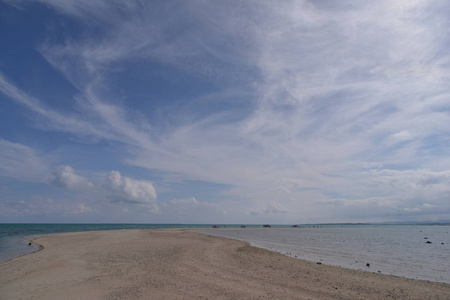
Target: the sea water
pixel 400 250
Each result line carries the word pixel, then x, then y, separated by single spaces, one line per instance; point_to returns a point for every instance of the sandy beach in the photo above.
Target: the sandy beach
pixel 179 264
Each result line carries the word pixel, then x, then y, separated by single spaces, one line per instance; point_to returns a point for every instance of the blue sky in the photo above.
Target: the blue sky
pixel 224 111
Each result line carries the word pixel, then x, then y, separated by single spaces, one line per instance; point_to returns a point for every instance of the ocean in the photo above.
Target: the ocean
pixel 412 251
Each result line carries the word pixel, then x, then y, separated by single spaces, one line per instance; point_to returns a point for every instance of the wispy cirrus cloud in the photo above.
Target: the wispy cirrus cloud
pixel 50 119
pixel 21 162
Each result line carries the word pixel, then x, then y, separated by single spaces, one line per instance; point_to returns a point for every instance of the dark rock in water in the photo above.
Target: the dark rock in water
pixel 442 243
pixel 242 226
pixel 267 226
pixel 319 263
pixel 215 226
pixel 367 265
pixel 425 238
pixel 428 242
pixel 29 244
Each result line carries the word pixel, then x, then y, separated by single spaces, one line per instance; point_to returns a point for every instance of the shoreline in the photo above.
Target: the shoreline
pixel 404 255
pixel 180 263
pixel 29 239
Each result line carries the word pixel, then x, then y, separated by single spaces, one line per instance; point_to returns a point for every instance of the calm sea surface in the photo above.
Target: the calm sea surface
pixel 400 250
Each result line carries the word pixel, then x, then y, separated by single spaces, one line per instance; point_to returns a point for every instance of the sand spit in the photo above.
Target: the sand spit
pixel 179 264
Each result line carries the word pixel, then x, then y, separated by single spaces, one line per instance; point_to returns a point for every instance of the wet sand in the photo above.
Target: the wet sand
pixel 179 264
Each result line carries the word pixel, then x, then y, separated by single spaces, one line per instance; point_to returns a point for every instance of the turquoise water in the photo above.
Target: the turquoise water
pixel 14 238
pixel 400 250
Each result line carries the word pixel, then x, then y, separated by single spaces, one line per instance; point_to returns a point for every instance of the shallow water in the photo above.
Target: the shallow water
pixel 400 250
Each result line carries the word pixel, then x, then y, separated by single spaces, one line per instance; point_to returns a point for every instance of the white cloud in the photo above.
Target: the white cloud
pixel 50 119
pixel 21 162
pixel 64 176
pixel 400 136
pixel 403 194
pixel 128 190
pixel 410 181
pixel 191 210
pixel 181 202
pixel 38 205
pixel 83 209
pixel 192 202
pixel 272 208
pixel 421 208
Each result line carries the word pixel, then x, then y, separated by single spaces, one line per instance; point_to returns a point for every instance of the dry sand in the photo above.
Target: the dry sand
pixel 178 264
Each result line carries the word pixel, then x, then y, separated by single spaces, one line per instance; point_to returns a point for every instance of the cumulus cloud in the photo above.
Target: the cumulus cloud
pixel 83 209
pixel 64 176
pixel 412 181
pixel 421 208
pixel 191 210
pixel 129 190
pixel 182 202
pixel 38 205
pixel 271 208
pixel 118 188
pixel 192 202
pixel 403 194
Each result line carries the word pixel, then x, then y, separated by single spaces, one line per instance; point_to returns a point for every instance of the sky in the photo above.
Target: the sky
pixel 279 112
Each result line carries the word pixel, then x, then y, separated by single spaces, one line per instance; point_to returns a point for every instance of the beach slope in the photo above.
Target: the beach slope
pixel 179 264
